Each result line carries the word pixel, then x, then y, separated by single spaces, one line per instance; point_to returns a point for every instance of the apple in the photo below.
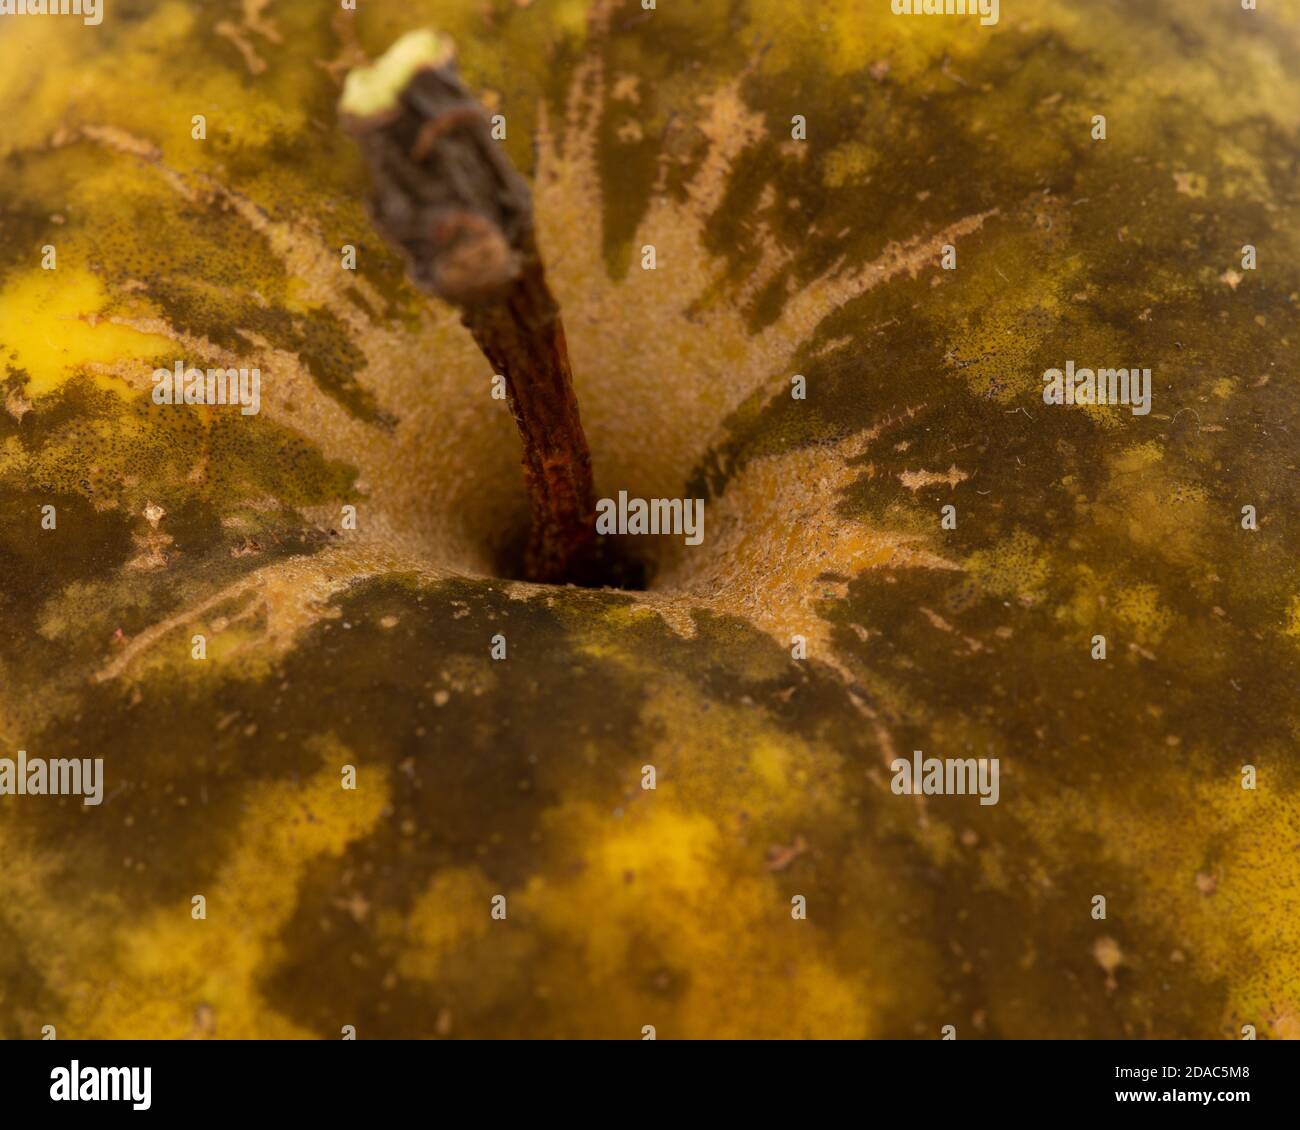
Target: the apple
pixel 813 263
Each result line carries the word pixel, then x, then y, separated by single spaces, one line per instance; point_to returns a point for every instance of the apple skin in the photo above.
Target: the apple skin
pixel 328 646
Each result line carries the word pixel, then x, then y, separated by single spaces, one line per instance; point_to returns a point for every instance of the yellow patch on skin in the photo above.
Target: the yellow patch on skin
pixel 849 162
pixel 937 840
pixel 770 761
pixel 673 890
pixel 1292 622
pixel 688 904
pixel 1015 568
pixel 993 871
pixel 36 89
pixel 1136 457
pixel 993 349
pixel 454 910
pixel 1240 937
pixel 846 35
pixel 150 976
pixel 1088 598
pixel 178 962
pixel 33 906
pixel 671 877
pixel 50 320
pixel 753 767
pixel 625 615
pixel 1139 607
pixel 250 117
pixel 1142 504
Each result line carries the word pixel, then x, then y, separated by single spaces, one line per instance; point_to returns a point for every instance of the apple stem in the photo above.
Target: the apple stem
pixel 523 338
pixel 447 196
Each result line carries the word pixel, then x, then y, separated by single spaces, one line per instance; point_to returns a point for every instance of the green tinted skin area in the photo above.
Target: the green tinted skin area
pixel 330 646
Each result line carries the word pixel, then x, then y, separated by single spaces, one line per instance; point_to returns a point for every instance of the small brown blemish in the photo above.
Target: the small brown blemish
pixel 780 857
